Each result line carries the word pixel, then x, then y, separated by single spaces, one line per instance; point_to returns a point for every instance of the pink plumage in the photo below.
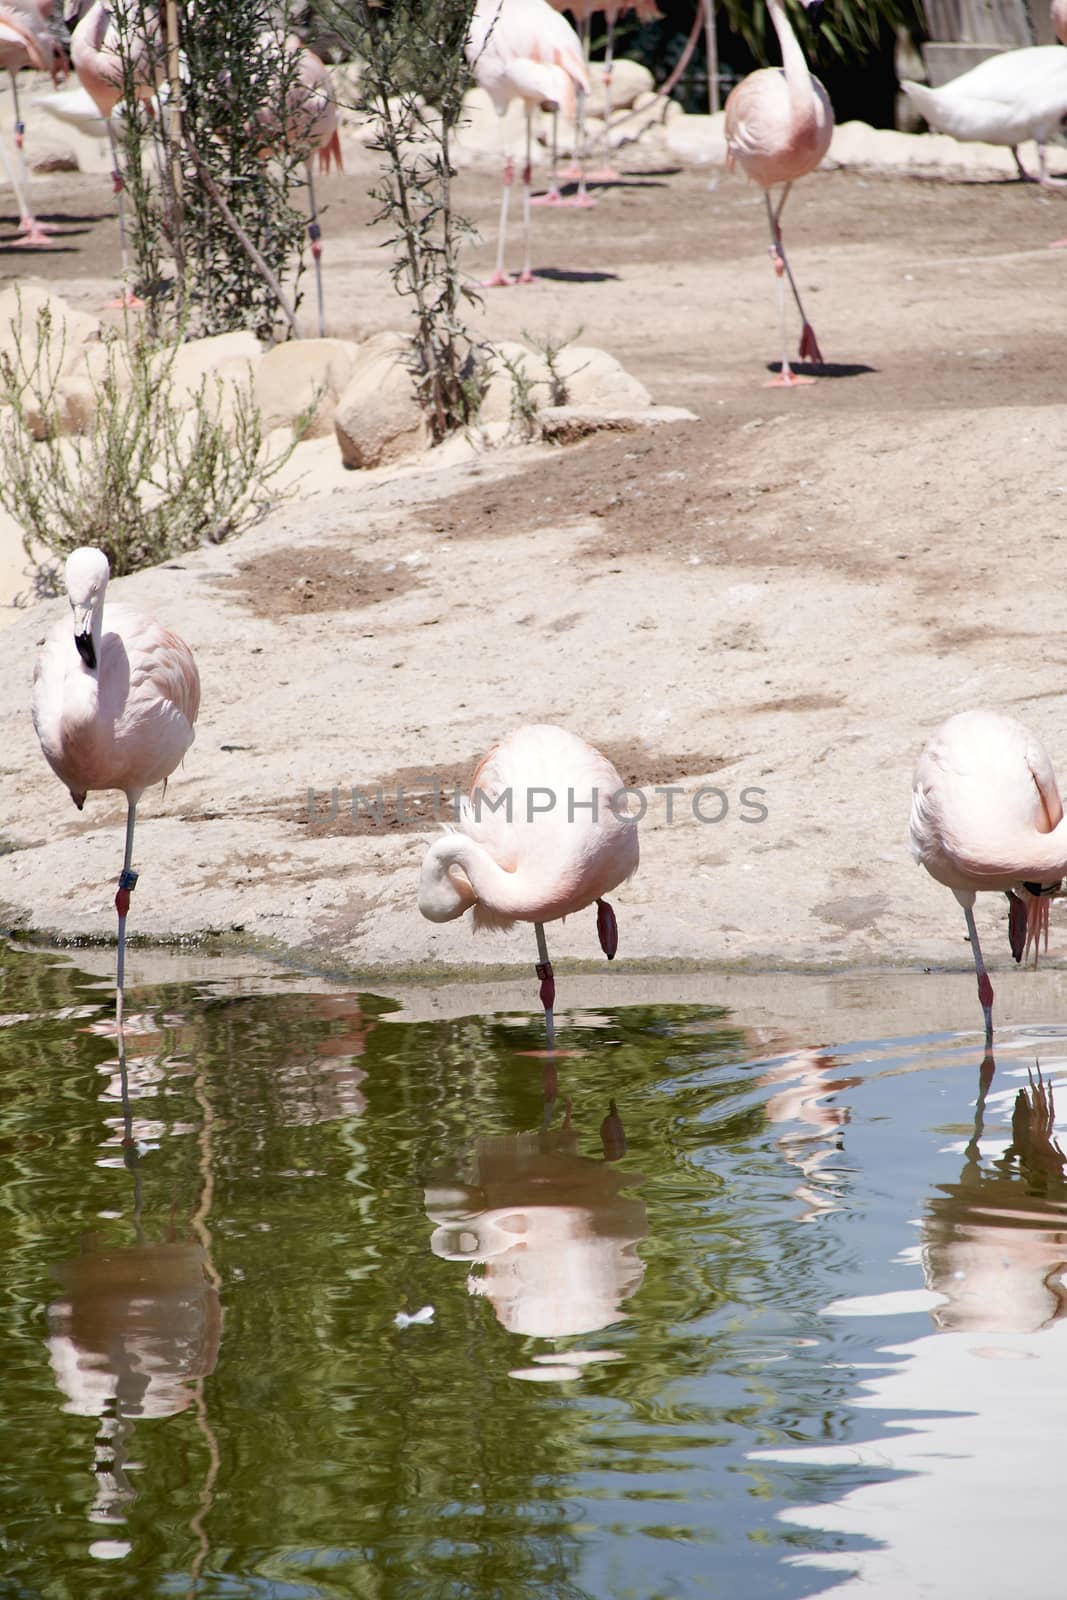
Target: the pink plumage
pixel 986 814
pixel 779 123
pixel 544 834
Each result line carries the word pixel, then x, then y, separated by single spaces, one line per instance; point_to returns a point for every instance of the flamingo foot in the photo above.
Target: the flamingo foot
pixel 572 174
pixel 579 202
pixel 525 276
pixel 126 300
pixel 809 345
pixel 607 929
pixel 498 280
pixel 34 234
pixel 551 197
pixel 1058 244
pixel 788 379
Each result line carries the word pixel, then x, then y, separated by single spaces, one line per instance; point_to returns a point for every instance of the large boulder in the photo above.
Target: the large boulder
pixel 628 80
pixel 287 379
pixel 378 417
pixel 592 377
pixel 503 398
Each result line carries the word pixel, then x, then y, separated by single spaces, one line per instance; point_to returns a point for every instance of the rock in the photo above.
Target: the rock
pixel 697 138
pixel 499 399
pixel 378 418
pixel 286 378
pixel 202 358
pixel 628 80
pixel 592 377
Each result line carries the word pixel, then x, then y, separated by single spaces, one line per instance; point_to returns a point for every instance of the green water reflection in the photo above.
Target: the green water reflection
pixel 206 1389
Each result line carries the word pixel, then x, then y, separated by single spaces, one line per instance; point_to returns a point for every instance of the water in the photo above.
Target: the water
pixel 769 1324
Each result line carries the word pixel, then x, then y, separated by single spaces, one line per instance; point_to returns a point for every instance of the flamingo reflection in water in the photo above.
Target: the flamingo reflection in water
pixel 802 1082
pixel 995 1242
pixel 554 1231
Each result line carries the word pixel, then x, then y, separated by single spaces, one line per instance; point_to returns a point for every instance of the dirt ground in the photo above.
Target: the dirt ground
pixel 787 593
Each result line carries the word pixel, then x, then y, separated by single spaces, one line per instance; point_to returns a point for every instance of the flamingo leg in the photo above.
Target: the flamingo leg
pixel 127 297
pixel 548 983
pixel 127 882
pixel 526 275
pixel 552 197
pixel 500 279
pixel 607 173
pixel 787 378
pixel 985 988
pixel 315 235
pixel 33 232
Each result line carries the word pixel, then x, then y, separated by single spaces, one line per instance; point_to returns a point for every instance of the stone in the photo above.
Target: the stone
pixel 628 80
pixel 378 418
pixel 285 381
pixel 592 377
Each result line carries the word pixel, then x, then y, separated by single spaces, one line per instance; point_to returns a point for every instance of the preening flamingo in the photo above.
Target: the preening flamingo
pixel 97 47
pixel 25 41
pixel 779 123
pixel 1017 95
pixel 538 839
pixel 114 703
pixel 524 49
pixel 986 813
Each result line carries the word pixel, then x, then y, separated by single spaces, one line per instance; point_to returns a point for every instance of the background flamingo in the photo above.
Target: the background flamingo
pixel 523 48
pixel 778 127
pixel 114 703
pixel 986 813
pixel 544 854
pixel 311 127
pixel 25 41
pixel 96 51
pixel 1017 95
pixel 582 12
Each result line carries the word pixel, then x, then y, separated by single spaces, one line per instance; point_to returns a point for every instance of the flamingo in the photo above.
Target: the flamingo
pixel 25 41
pixel 543 835
pixel 582 11
pixel 779 123
pixel 113 705
pixel 97 47
pixel 986 813
pixel 1017 95
pixel 523 48
pixel 311 126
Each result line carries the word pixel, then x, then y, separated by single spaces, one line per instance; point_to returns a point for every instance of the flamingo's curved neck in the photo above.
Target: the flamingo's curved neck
pixel 797 76
pixel 491 884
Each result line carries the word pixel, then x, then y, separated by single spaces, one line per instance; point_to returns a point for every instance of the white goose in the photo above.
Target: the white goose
pixel 1020 94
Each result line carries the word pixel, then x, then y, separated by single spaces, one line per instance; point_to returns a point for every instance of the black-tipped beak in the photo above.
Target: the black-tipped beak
pixel 86 649
pixel 815 13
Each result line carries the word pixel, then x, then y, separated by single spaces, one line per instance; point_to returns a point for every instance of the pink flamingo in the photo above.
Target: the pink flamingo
pixel 96 51
pixel 311 126
pixel 25 41
pixel 523 48
pixel 114 705
pixel 779 123
pixel 582 11
pixel 986 813
pixel 544 834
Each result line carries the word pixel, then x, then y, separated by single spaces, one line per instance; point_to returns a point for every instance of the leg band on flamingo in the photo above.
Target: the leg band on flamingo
pixel 543 969
pixel 127 883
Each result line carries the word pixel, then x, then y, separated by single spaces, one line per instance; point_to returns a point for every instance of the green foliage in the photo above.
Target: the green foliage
pixel 847 27
pixel 413 76
pixel 155 473
pixel 216 240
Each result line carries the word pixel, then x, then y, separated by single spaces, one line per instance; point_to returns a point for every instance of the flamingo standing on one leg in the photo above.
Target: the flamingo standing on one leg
pixel 986 813
pixel 97 46
pixel 582 11
pixel 25 41
pixel 523 48
pixel 544 834
pixel 114 705
pixel 779 122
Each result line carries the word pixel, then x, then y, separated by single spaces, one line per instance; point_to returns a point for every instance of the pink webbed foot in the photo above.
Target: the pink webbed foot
pixel 551 197
pixel 497 280
pixel 34 234
pixel 525 276
pixel 125 300
pixel 788 379
pixel 1058 244
pixel 580 201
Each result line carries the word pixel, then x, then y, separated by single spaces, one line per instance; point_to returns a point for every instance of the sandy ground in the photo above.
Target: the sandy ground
pixel 786 594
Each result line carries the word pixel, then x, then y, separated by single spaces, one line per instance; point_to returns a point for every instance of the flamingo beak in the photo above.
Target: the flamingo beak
pixel 86 649
pixel 814 11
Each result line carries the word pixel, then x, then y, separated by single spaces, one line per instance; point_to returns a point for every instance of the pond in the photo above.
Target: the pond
pixel 330 1305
